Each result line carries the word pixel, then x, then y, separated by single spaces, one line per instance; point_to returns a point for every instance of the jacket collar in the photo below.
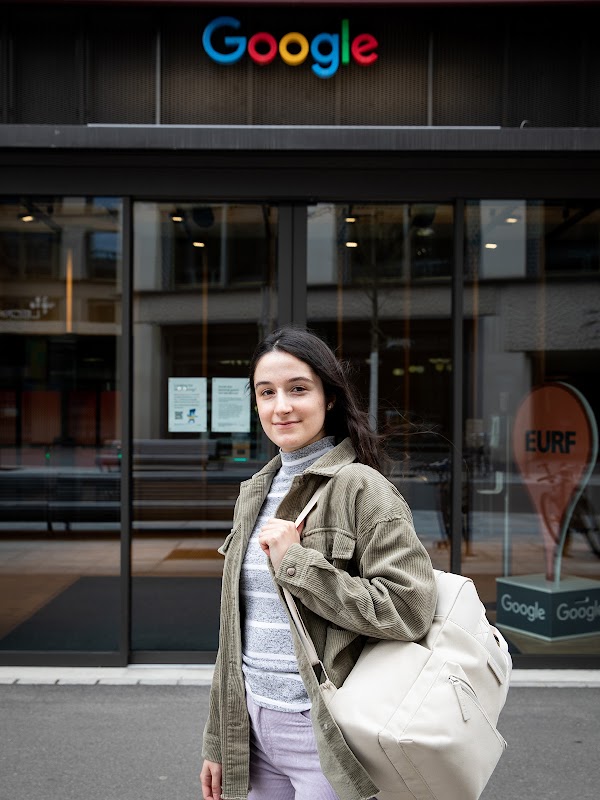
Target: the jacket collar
pixel 332 462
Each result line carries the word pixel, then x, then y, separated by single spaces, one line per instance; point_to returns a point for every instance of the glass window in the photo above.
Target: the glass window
pixel 379 291
pixel 204 295
pixel 59 412
pixel 532 400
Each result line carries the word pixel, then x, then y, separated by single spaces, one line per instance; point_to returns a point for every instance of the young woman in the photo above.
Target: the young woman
pixel 356 569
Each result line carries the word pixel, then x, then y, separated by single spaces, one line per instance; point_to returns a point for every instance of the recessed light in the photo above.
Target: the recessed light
pixel 177 218
pixel 351 244
pixel 350 219
pixel 198 244
pixel 490 246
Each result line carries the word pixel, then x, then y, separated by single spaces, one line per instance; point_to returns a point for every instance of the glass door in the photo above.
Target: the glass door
pixel 204 294
pixel 60 401
pixel 532 293
pixel 379 291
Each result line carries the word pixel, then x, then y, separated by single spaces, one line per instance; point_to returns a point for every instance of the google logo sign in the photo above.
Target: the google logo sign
pixel 327 50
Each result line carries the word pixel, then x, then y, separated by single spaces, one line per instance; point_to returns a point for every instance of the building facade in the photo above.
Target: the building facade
pixel 417 182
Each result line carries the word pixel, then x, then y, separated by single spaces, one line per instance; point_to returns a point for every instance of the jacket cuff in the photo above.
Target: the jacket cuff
pixel 211 748
pixel 292 570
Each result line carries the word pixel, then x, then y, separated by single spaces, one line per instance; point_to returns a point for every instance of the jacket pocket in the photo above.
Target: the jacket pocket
pixel 335 544
pixel 342 548
pixel 225 546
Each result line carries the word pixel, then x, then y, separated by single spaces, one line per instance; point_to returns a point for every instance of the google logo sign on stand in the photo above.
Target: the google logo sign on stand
pixel 327 50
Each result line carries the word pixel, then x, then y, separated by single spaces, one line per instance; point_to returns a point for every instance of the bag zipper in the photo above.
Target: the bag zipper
pixel 462 688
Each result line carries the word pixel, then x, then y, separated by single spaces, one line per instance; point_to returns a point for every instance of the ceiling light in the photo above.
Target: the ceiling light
pixel 350 219
pixel 490 246
pixel 177 218
pixel 26 217
pixel 351 244
pixel 511 220
pixel 198 244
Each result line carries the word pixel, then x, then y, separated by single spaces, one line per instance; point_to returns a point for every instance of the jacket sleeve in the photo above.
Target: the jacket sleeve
pixel 211 743
pixel 394 594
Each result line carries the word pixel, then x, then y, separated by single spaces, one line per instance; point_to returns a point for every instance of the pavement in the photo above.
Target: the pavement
pixel 134 733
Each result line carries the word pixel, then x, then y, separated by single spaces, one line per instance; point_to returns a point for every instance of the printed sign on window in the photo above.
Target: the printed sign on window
pixel 187 405
pixel 230 405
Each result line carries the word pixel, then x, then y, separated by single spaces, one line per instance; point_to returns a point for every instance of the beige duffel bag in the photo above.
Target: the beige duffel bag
pixel 421 716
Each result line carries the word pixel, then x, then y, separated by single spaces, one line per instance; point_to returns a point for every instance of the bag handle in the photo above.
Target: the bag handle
pixel 289 597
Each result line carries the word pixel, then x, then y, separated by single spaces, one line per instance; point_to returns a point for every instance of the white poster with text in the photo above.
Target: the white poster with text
pixel 230 405
pixel 187 405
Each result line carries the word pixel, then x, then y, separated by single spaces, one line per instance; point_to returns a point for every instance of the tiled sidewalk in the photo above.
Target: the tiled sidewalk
pixel 201 675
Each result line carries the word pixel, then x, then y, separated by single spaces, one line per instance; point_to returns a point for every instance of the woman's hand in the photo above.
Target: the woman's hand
pixel 276 536
pixel 210 778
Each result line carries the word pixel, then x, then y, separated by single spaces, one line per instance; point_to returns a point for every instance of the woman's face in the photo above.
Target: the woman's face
pixel 290 399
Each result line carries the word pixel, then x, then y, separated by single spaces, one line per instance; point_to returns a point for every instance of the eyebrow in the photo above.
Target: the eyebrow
pixel 290 380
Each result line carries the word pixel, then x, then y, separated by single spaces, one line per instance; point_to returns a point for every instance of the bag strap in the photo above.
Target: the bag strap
pixel 309 506
pixel 289 597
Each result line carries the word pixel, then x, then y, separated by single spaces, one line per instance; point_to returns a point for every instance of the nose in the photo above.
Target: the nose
pixel 282 403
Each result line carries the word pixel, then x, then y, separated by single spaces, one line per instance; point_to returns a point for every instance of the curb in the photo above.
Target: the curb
pixel 201 675
pixel 135 675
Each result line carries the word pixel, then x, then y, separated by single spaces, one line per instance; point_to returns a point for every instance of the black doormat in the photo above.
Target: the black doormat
pixel 167 614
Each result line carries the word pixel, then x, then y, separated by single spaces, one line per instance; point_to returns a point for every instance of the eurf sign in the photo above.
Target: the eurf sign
pixel 555 441
pixel 327 50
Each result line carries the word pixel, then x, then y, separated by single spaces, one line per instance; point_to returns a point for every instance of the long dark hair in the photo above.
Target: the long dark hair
pixel 346 418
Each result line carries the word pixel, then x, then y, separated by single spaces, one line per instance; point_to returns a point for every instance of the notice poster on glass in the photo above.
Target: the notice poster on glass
pixel 230 405
pixel 187 405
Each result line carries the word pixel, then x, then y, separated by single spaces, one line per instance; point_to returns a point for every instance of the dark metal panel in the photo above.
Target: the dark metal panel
pixel 126 386
pixel 121 71
pixel 47 69
pixel 269 139
pixel 544 70
pixel 300 177
pixel 199 91
pixel 4 73
pixel 590 83
pixel 393 90
pixel 291 259
pixel 280 95
pixel 311 2
pixel 54 658
pixel 285 260
pixel 299 269
pixel 195 90
pixel 173 656
pixel 457 387
pixel 549 79
pixel 468 69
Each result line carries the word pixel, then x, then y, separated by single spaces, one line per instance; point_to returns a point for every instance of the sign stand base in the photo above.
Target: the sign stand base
pixel 531 604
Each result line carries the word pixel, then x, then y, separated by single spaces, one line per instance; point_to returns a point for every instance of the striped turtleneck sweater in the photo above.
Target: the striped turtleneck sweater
pixel 268 658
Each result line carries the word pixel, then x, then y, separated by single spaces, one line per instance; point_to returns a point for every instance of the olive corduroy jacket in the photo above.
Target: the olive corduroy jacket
pixel 360 571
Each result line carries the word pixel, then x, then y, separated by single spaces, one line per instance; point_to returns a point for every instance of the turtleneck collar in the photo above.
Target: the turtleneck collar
pixel 309 453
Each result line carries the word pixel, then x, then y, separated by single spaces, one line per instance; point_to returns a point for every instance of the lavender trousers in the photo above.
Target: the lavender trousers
pixel 284 763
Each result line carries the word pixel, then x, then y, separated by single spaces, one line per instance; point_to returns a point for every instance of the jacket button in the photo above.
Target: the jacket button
pixel 291 571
